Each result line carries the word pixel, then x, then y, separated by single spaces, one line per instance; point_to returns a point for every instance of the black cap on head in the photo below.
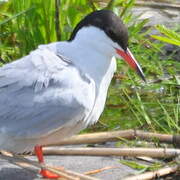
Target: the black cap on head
pixel 108 22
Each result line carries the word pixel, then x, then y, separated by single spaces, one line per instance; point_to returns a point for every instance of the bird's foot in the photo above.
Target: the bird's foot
pixel 47 174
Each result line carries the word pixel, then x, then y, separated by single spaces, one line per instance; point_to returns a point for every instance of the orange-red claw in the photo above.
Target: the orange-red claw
pixel 47 174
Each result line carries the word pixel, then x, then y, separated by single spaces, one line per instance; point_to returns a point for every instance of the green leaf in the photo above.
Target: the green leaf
pixel 168 32
pixel 167 40
pixel 134 164
pixel 15 16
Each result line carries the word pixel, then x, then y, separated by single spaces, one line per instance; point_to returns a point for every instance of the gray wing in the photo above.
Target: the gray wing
pixel 41 93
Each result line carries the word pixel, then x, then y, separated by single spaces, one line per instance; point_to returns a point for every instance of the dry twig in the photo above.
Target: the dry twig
pixel 34 166
pixel 154 174
pixel 117 135
pixel 149 152
pixel 100 170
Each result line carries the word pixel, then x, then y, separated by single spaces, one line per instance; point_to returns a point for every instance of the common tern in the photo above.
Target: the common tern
pixel 61 88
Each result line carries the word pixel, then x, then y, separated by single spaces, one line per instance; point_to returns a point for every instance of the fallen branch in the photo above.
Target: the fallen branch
pixel 117 135
pixel 100 170
pixel 154 174
pixel 34 166
pixel 149 152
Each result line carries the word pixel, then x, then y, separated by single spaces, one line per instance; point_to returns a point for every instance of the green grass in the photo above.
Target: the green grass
pixel 24 24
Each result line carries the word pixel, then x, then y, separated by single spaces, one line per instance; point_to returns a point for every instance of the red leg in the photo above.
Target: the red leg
pixel 44 172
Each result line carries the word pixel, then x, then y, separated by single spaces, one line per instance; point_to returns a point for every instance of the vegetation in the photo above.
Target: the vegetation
pixel 154 106
pixel 170 36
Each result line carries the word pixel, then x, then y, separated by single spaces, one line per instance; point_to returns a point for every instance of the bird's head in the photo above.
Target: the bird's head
pixel 107 29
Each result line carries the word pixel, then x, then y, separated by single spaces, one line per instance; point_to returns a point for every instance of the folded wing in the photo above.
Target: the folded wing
pixel 41 93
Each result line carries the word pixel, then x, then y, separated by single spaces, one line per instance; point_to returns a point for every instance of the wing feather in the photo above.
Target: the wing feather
pixel 41 93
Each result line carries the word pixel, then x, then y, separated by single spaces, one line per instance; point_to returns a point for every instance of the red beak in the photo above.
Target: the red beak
pixel 129 59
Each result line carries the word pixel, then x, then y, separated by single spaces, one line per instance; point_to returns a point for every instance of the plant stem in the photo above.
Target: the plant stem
pixel 110 4
pixel 92 5
pixel 57 19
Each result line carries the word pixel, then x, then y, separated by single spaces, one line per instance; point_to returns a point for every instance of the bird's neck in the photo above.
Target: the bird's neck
pixel 92 53
pixel 88 60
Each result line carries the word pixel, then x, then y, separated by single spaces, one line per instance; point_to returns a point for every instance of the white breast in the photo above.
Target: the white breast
pixel 102 93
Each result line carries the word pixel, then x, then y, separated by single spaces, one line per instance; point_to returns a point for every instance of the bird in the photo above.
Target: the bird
pixel 60 88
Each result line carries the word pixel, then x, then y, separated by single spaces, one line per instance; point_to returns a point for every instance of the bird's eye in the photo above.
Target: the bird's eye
pixel 111 34
pixel 110 31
